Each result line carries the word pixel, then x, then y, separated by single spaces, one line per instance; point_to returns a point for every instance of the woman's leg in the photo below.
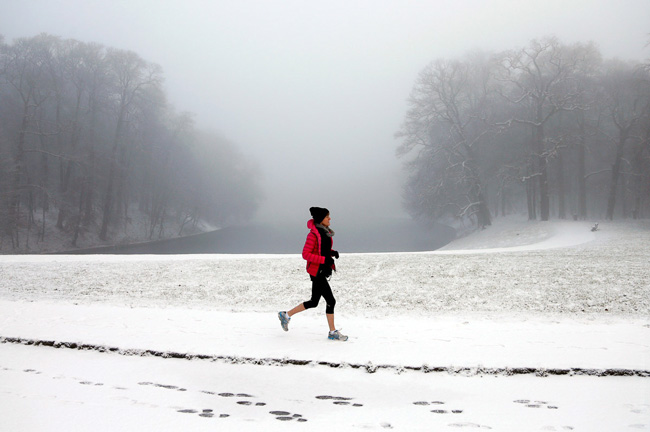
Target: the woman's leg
pixel 299 308
pixel 326 292
pixel 330 321
pixel 319 287
pixel 312 302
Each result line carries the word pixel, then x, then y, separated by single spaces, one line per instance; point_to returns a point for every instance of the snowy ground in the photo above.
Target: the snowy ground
pixel 524 326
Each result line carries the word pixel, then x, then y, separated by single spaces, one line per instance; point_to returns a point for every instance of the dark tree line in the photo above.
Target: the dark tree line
pixel 87 137
pixel 549 129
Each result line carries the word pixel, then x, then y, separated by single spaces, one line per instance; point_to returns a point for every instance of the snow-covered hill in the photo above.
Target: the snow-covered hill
pixel 568 270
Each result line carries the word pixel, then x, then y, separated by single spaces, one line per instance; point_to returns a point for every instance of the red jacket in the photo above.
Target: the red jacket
pixel 311 250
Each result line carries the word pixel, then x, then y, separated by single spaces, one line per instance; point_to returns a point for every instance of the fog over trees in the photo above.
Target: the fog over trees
pixel 550 129
pixel 87 138
pixel 89 143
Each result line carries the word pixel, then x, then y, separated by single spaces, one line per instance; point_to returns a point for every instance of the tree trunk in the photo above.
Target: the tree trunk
pixel 541 165
pixel 483 215
pixel 582 180
pixel 561 186
pixel 119 214
pixel 67 193
pixel 18 159
pixel 640 176
pixel 582 166
pixel 476 189
pixel 531 198
pixel 89 186
pixel 616 171
pixel 108 197
pixel 77 219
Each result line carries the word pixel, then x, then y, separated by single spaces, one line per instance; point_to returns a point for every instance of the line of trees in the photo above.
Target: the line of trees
pixel 87 137
pixel 549 129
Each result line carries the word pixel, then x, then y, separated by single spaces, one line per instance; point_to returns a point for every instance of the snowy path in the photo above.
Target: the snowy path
pixel 520 236
pixel 65 390
pixel 467 341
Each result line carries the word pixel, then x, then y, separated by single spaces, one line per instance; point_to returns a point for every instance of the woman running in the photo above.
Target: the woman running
pixel 319 255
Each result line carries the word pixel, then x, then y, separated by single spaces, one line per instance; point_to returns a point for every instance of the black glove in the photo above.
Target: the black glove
pixel 335 254
pixel 329 261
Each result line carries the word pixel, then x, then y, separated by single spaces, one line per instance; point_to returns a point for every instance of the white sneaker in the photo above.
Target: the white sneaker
pixel 336 335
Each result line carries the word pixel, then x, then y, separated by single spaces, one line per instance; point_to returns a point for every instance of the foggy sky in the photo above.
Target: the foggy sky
pixel 315 90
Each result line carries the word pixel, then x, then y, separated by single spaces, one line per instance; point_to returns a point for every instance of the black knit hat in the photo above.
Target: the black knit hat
pixel 318 214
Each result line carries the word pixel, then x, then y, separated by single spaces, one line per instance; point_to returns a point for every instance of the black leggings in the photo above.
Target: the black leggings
pixel 320 287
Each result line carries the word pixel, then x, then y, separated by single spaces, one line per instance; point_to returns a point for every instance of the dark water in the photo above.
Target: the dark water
pixel 386 235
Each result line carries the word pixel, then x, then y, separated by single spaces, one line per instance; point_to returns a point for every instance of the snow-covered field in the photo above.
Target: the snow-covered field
pixel 525 326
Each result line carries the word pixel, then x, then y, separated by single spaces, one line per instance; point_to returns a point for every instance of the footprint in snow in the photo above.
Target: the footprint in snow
pixel 90 383
pixel 327 397
pixel 236 395
pixel 187 411
pixel 339 400
pixel 535 404
pixel 286 416
pixel 249 403
pixel 241 395
pixel 163 386
pixel 553 428
pixel 206 413
pixel 438 411
pixel 469 425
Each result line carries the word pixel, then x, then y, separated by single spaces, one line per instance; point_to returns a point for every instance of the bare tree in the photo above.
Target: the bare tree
pixel 448 122
pixel 541 82
pixel 132 78
pixel 100 119
pixel 627 105
pixel 25 72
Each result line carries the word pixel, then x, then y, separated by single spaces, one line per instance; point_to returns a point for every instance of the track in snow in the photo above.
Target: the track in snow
pixel 368 367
